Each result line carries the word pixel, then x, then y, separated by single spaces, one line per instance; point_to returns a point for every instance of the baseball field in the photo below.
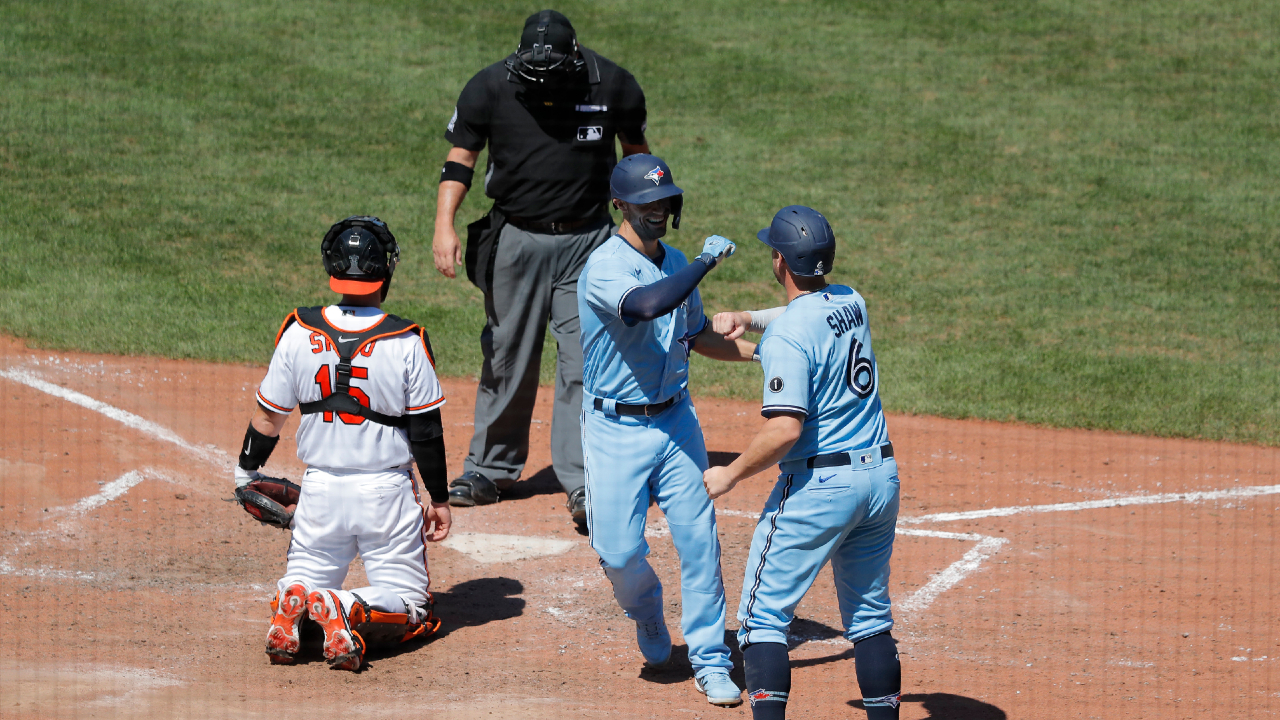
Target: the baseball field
pixel 1062 216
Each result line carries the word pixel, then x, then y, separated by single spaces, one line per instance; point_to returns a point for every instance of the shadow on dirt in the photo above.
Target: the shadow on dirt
pixel 680 669
pixel 716 457
pixel 478 602
pixel 543 482
pixel 945 706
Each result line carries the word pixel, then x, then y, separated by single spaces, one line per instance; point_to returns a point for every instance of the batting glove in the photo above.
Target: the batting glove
pixel 719 247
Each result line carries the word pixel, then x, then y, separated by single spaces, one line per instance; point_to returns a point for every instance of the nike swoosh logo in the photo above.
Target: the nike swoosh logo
pixel 824 479
pixel 345 339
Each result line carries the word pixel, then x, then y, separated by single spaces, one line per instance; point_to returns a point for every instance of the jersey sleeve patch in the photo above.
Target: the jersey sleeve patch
pixel 787 375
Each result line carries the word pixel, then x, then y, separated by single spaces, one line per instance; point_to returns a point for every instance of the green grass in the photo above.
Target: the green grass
pixel 1060 212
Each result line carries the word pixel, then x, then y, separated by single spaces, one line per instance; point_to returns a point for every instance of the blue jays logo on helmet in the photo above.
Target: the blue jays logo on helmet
pixel 639 179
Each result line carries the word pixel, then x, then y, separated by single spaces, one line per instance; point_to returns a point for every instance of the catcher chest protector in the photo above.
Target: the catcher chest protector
pixel 340 400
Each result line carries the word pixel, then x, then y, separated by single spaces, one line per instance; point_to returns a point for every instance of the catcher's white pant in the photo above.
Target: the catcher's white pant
pixel 377 515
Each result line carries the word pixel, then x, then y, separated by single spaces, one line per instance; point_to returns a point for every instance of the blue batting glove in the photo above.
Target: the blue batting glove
pixel 719 247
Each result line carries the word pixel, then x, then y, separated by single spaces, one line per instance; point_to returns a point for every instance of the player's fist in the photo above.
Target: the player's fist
pixel 718 247
pixel 731 324
pixel 718 481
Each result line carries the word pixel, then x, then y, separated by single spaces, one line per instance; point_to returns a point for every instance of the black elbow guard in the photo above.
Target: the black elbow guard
pixel 257 448
pixel 426 441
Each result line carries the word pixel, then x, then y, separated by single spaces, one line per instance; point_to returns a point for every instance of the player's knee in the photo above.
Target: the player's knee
pixel 615 563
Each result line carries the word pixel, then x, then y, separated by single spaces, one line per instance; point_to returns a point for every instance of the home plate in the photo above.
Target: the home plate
pixel 487 548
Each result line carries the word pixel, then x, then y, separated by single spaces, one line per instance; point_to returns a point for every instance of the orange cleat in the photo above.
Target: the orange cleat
pixel 343 647
pixel 283 639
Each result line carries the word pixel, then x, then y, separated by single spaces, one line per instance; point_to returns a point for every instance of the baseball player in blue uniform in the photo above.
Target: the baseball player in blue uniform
pixel 837 495
pixel 641 316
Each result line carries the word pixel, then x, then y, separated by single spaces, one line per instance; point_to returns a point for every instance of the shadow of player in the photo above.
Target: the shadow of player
pixel 945 706
pixel 467 604
pixel 679 669
pixel 543 482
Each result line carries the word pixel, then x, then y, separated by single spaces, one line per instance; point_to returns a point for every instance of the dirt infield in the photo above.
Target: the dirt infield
pixel 1037 574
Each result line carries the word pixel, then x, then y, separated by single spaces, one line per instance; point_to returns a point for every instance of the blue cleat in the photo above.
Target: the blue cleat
pixel 719 689
pixel 655 642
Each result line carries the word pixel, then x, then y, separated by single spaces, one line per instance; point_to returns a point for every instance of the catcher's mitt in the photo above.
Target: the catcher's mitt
pixel 271 501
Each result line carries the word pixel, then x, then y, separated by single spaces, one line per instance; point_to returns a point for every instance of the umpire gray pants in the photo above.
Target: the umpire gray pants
pixel 535 279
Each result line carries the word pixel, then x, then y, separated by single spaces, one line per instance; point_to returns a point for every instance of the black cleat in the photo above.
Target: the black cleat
pixel 470 489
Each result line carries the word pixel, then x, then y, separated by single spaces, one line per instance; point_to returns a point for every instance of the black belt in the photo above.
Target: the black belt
pixel 838 459
pixel 647 410
pixel 553 228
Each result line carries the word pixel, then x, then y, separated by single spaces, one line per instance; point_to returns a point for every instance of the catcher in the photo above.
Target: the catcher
pixel 366 386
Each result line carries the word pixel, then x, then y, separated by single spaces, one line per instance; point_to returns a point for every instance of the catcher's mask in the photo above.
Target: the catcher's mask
pixel 547 56
pixel 360 255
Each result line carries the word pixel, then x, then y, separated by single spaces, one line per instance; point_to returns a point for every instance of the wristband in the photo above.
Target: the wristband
pixel 457 172
pixel 257 448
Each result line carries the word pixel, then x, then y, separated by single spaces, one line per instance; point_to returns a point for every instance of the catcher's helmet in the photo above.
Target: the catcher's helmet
pixel 804 238
pixel 360 253
pixel 548 54
pixel 640 179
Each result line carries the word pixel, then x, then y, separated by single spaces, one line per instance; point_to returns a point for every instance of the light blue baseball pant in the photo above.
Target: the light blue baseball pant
pixel 628 460
pixel 841 514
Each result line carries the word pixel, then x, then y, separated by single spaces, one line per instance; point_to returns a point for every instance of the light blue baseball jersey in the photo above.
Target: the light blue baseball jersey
pixel 818 361
pixel 635 363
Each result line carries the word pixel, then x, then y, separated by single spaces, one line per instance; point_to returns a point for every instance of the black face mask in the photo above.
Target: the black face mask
pixel 646 231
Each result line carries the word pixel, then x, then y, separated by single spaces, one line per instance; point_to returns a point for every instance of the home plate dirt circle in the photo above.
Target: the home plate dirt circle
pixel 1037 572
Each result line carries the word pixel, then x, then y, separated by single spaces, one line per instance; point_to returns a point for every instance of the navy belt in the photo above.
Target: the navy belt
pixel 840 459
pixel 647 410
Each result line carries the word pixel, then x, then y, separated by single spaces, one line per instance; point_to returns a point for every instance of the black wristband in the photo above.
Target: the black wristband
pixel 457 172
pixel 257 448
pixel 707 259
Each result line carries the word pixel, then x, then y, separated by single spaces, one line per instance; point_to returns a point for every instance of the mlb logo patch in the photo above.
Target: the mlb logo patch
pixel 587 133
pixel 864 459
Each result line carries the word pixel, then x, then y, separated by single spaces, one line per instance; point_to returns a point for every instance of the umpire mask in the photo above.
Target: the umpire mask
pixel 547 57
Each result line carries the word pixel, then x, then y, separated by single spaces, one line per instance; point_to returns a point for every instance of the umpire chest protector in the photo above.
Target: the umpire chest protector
pixel 347 344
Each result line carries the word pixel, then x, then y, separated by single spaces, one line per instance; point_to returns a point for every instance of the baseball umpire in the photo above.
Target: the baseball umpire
pixel 549 113
pixel 837 495
pixel 365 383
pixel 641 316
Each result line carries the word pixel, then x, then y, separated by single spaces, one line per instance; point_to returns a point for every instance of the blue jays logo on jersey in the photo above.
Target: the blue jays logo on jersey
pixel 655 175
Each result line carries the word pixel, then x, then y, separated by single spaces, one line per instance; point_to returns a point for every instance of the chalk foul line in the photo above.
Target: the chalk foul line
pixel 159 432
pixel 1188 497
pixel 110 491
pixel 954 573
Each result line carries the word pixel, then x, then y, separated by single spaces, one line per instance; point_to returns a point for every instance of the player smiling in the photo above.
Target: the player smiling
pixel 641 316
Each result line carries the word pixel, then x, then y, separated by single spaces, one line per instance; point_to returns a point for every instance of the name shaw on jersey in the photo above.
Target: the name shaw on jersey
pixel 845 319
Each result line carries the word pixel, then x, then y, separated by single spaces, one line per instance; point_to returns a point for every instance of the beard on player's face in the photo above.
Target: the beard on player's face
pixel 649 221
pixel 779 268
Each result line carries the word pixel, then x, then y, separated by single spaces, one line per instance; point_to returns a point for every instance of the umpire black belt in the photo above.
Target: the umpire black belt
pixel 552 228
pixel 647 410
pixel 856 458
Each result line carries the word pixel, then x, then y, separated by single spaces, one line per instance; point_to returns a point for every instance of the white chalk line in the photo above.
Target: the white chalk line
pixel 1188 497
pixel 159 432
pixel 110 491
pixel 954 573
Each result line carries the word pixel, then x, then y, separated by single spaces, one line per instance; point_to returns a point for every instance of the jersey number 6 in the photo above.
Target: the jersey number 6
pixel 324 379
pixel 859 368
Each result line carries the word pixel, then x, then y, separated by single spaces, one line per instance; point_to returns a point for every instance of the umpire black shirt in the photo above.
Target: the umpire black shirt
pixel 550 152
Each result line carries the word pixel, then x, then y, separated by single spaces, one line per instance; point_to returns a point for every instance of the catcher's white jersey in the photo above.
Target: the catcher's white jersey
pixel 394 376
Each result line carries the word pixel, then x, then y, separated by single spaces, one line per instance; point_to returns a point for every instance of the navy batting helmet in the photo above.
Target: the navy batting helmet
pixel 804 238
pixel 359 254
pixel 640 179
